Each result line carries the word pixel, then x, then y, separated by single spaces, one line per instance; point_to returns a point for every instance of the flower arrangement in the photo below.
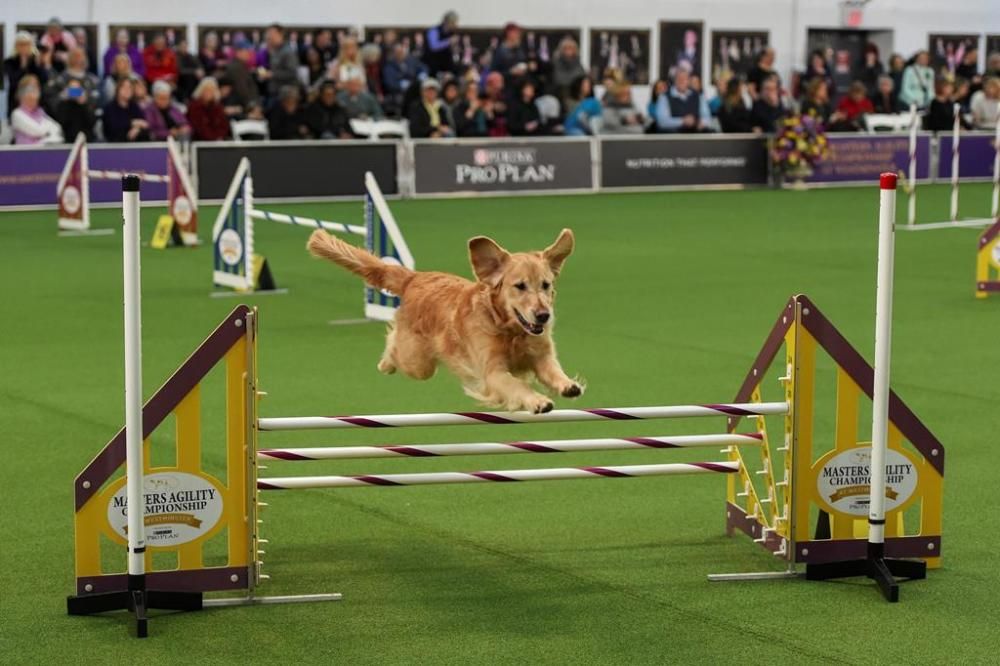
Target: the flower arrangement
pixel 799 145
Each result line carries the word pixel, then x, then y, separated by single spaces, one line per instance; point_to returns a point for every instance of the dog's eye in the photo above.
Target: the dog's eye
pixel 545 286
pixel 520 286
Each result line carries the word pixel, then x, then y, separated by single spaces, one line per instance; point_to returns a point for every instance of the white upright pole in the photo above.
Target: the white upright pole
pixel 911 197
pixel 995 208
pixel 133 382
pixel 955 138
pixel 883 340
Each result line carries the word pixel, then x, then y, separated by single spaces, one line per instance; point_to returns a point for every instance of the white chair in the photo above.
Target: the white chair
pixel 377 129
pixel 887 122
pixel 249 128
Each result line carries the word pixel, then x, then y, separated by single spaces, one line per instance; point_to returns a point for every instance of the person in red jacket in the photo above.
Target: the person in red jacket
pixel 851 109
pixel 160 60
pixel 206 114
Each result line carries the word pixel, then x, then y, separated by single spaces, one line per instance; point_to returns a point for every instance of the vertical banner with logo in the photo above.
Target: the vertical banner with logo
pixel 502 166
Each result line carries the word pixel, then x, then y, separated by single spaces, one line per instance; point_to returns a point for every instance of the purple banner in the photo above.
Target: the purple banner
pixel 975 156
pixel 862 158
pixel 29 176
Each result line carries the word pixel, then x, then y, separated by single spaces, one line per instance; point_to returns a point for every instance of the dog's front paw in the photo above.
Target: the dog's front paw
pixel 538 404
pixel 572 390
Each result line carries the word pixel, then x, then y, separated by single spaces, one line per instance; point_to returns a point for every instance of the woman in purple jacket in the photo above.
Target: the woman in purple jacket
pixel 165 118
pixel 122 45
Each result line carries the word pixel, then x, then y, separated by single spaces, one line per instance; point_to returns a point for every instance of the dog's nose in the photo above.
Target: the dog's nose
pixel 542 317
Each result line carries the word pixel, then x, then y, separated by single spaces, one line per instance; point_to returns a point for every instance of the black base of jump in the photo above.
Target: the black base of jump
pixel 883 571
pixel 136 600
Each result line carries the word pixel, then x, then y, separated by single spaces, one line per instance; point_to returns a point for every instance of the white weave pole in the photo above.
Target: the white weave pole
pixel 995 208
pixel 911 197
pixel 133 378
pixel 883 343
pixel 956 134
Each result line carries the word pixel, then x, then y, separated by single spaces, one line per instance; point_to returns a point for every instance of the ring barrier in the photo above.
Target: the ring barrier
pixel 988 261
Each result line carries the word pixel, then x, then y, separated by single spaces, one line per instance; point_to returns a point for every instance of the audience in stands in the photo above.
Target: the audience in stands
pixel 73 96
pixel 762 69
pixel 524 118
pixel 325 117
pixel 278 62
pixel 734 114
pixel 401 70
pixel 313 68
pixel 58 42
pixel 189 71
pixel 160 60
pixel 438 45
pixel 817 70
pixel 25 61
pixel 509 59
pixel 205 113
pixel 767 108
pixel 239 77
pixel 355 98
pixel 29 121
pixel 124 47
pixel 429 117
pixel 885 100
pixel 985 104
pixel 851 109
pixel 121 68
pixel 585 110
pixel 371 59
pixel 164 117
pixel 210 54
pixel 656 88
pixel 968 69
pixel 566 68
pixel 941 111
pixel 871 69
pixel 286 120
pixel 347 65
pixel 496 95
pixel 816 101
pixel 324 45
pixel 682 109
pixel 917 86
pixel 474 114
pixel 620 115
pixel 897 65
pixel 123 119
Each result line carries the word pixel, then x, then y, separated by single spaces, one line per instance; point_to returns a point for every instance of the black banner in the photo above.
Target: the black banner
pixel 502 166
pixel 290 169
pixel 678 161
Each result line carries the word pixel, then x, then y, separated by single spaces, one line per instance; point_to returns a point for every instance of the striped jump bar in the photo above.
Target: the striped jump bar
pixel 502 418
pixel 337 227
pixel 118 175
pixel 494 448
pixel 558 473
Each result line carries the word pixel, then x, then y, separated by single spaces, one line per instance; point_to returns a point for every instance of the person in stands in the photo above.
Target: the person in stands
pixel 160 60
pixel 941 111
pixel 206 114
pixel 438 46
pixel 164 117
pixel 885 100
pixel 325 117
pixel 851 109
pixel 767 109
pixel 58 42
pixel 918 86
pixel 620 115
pixel 762 69
pixel 123 119
pixel 287 121
pixel 29 121
pixel 585 110
pixel 524 118
pixel 474 114
pixel 25 61
pixel 816 102
pixel 985 104
pixel 734 115
pixel 123 46
pixel 429 117
pixel 356 100
pixel 282 61
pixel 682 109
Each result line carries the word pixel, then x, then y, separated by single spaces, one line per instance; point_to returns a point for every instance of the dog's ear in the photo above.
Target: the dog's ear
pixel 488 259
pixel 556 253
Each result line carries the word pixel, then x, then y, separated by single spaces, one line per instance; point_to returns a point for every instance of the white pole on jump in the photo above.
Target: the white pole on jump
pixel 995 208
pixel 955 138
pixel 883 342
pixel 911 197
pixel 133 381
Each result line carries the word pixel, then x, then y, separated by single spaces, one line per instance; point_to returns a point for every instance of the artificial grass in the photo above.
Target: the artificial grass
pixel 666 300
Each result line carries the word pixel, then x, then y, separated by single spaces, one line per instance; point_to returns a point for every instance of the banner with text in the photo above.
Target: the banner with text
pixel 862 158
pixel 975 155
pixel 502 166
pixel 664 161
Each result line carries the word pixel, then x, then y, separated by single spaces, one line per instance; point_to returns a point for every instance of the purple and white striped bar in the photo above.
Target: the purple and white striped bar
pixel 99 174
pixel 503 418
pixel 495 448
pixel 554 474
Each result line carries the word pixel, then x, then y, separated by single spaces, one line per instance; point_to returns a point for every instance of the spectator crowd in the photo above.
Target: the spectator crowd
pixel 316 89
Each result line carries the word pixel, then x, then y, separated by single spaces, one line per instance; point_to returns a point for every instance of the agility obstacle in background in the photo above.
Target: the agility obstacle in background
pixel 73 195
pixel 955 143
pixel 988 261
pixel 238 266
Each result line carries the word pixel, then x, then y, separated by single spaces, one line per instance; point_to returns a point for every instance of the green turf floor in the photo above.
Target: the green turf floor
pixel 666 300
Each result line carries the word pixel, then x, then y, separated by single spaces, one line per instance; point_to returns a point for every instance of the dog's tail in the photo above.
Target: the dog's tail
pixel 375 272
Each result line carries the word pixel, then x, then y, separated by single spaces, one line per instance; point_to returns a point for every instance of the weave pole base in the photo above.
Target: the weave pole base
pixel 136 602
pixel 882 570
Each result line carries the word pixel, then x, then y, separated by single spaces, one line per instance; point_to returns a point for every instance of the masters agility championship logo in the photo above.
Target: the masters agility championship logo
pixel 844 481
pixel 504 165
pixel 180 507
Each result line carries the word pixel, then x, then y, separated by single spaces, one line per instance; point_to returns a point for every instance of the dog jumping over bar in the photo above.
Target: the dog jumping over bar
pixel 494 334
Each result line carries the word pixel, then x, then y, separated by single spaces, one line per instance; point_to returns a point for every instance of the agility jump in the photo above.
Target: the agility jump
pixel 73 193
pixel 988 261
pixel 954 143
pixel 805 496
pixel 239 266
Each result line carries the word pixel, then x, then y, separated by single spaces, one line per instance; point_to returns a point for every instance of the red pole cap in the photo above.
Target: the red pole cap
pixel 887 181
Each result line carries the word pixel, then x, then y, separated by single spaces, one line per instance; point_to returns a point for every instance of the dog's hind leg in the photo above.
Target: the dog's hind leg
pixel 386 364
pixel 412 354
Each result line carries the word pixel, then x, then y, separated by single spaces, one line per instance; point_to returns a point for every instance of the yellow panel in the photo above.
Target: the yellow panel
pixel 802 448
pixel 848 397
pixel 188 433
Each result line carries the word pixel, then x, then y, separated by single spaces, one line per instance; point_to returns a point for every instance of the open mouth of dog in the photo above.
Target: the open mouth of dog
pixel 533 329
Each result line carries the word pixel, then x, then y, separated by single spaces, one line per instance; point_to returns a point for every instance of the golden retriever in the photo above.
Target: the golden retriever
pixel 493 334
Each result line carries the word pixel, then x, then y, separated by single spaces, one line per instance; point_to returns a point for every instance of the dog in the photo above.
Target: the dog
pixel 494 334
